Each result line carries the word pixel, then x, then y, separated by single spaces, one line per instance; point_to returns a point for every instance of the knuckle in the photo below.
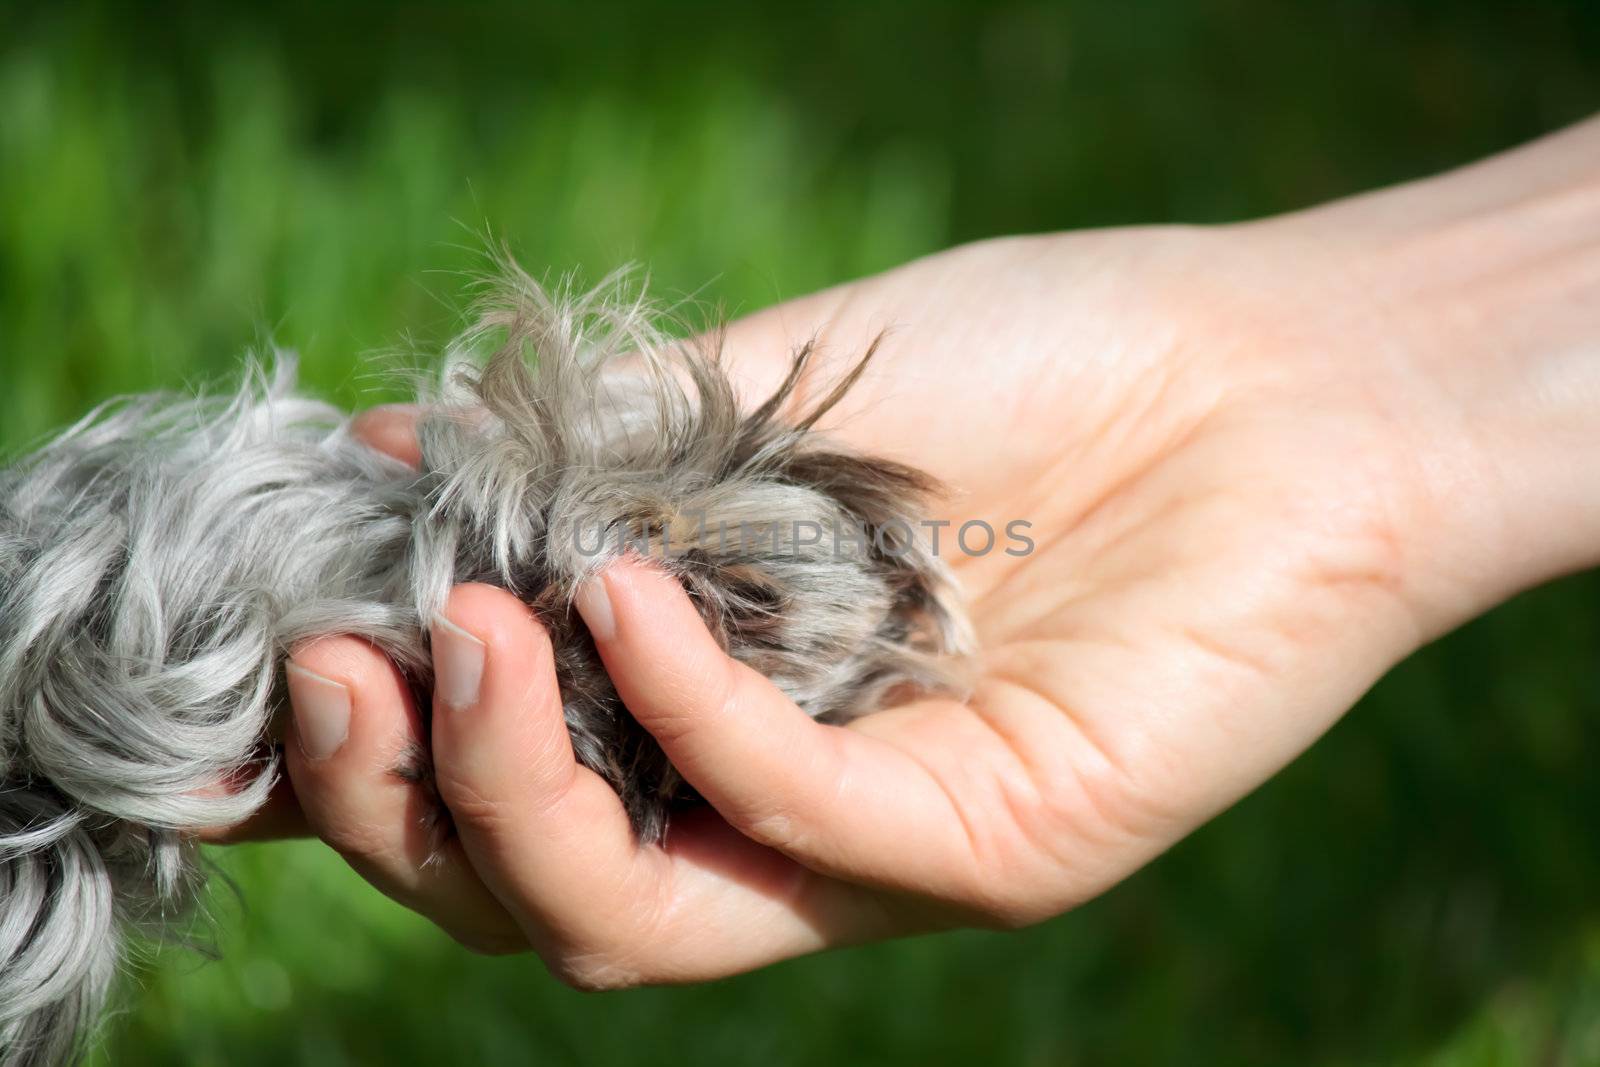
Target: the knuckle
pixel 355 838
pixel 624 951
pixel 593 972
pixel 771 826
pixel 1010 918
pixel 468 804
pixel 695 695
pixel 1023 903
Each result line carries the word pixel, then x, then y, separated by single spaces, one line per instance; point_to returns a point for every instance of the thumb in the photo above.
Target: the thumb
pixel 837 800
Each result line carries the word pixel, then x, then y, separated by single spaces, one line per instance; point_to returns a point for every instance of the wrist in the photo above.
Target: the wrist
pixel 1483 286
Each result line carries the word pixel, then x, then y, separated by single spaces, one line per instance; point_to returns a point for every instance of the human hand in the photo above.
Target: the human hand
pixel 1261 465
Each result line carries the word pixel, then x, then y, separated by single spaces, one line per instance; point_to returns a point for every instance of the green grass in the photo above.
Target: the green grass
pixel 178 187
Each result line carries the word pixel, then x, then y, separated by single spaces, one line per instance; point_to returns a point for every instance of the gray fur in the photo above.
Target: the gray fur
pixel 159 559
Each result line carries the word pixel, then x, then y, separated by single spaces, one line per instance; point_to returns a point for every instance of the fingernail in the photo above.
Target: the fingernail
pixel 457 664
pixel 321 711
pixel 593 602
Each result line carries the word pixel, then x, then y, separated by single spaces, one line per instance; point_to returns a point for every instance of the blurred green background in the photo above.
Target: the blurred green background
pixel 182 182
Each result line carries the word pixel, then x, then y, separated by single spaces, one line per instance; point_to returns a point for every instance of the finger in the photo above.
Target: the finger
pixel 551 838
pixel 280 817
pixel 354 724
pixel 836 800
pixel 390 428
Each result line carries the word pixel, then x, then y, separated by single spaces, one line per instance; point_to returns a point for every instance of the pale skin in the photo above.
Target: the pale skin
pixel 1263 463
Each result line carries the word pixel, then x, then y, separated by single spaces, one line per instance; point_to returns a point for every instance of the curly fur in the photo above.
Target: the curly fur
pixel 159 559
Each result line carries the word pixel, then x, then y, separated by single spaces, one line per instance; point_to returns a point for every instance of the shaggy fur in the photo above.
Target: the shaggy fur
pixel 159 559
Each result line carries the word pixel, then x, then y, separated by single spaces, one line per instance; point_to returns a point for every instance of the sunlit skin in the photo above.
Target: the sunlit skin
pixel 1262 464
